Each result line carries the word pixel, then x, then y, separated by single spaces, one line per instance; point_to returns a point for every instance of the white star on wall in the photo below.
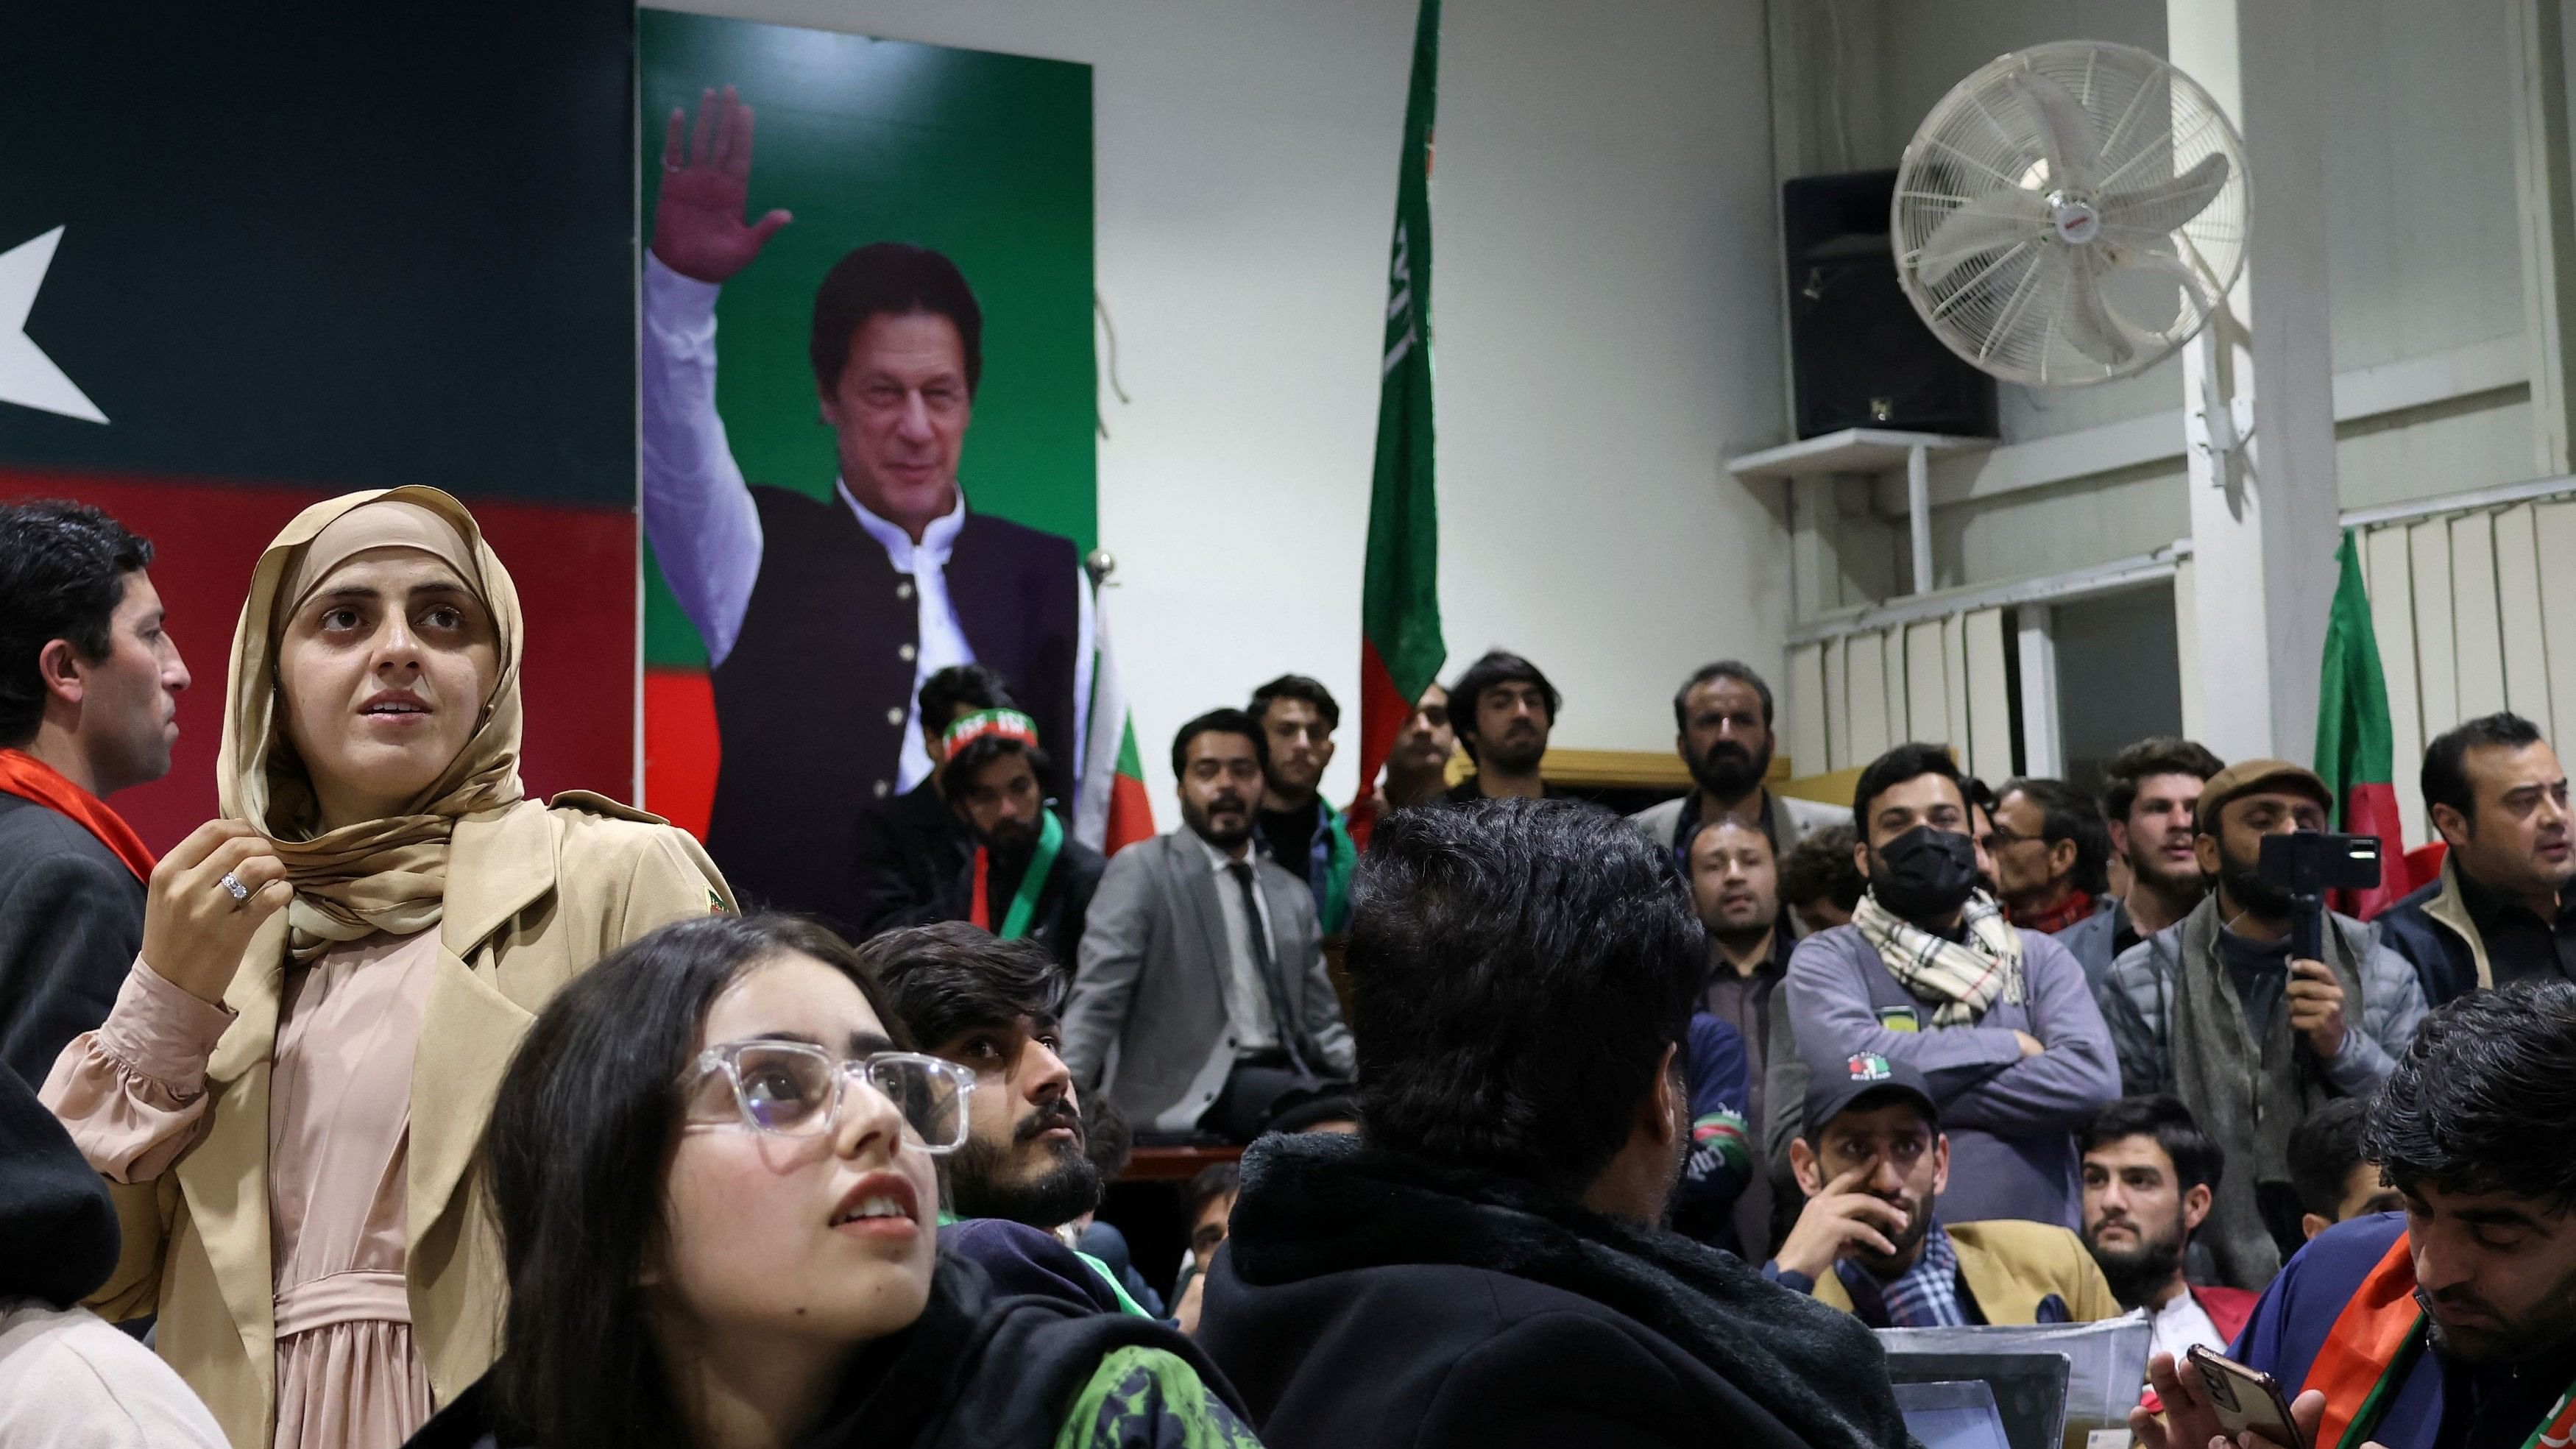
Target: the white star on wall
pixel 27 376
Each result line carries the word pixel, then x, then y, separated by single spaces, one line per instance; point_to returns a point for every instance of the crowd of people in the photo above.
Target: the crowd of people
pixel 394 1106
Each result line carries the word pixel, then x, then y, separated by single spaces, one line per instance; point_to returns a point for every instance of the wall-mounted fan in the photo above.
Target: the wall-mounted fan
pixel 2071 213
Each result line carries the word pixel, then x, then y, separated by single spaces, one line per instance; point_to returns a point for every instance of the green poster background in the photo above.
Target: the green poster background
pixel 985 157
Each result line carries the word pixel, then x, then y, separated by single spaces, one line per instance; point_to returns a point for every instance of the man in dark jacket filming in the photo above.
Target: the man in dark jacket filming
pixel 1482 1265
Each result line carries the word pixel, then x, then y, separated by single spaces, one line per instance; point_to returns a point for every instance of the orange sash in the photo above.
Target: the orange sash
pixel 2372 1347
pixel 29 778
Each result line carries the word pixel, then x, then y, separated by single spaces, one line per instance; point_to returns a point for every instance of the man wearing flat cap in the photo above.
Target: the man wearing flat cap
pixel 2213 1010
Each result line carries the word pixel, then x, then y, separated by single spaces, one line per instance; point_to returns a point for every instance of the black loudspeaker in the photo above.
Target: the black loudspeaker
pixel 1859 355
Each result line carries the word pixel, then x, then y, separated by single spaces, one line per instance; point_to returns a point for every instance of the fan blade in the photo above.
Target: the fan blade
pixel 1996 219
pixel 2168 205
pixel 2065 132
pixel 2161 259
pixel 2088 322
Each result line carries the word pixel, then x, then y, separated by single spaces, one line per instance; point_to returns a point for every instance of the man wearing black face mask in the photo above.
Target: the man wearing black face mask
pixel 2213 1003
pixel 1998 1021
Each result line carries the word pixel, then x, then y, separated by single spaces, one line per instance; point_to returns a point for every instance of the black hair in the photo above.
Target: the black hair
pixel 1106 1138
pixel 1723 669
pixel 1519 968
pixel 892 278
pixel 2197 1160
pixel 1296 686
pixel 1221 722
pixel 1822 866
pixel 580 1137
pixel 2446 775
pixel 951 978
pixel 1494 667
pixel 2324 1150
pixel 2155 755
pixel 2484 1099
pixel 961 686
pixel 972 756
pixel 1214 1181
pixel 62 574
pixel 2066 814
pixel 1906 762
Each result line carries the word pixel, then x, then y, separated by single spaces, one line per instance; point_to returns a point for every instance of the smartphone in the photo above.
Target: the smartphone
pixel 2246 1399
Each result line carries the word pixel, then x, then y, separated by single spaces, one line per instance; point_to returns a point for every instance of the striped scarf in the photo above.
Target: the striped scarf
pixel 1923 1296
pixel 1962 978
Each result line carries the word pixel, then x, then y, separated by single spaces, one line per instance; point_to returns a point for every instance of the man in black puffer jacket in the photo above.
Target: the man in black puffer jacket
pixel 1482 1267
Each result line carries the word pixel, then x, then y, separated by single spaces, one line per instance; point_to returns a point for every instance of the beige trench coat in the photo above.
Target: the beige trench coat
pixel 535 894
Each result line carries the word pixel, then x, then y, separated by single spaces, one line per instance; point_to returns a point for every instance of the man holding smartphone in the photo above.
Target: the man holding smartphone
pixel 2453 1325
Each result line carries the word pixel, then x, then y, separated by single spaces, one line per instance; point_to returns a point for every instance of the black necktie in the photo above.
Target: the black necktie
pixel 1268 969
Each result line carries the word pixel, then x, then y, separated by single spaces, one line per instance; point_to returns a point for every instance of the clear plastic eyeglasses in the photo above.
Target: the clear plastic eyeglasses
pixel 793 1089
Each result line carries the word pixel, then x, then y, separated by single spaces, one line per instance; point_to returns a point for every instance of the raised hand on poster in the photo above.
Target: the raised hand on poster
pixel 698 230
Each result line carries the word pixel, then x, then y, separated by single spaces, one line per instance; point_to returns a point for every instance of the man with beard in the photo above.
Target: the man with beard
pixel 2452 1326
pixel 2148 1176
pixel 1201 1002
pixel 1297 827
pixel 2501 911
pixel 908 848
pixel 2212 1010
pixel 1869 1242
pixel 1735 888
pixel 1503 709
pixel 1722 723
pixel 2148 805
pixel 1418 763
pixel 1997 1019
pixel 989 1006
pixel 1028 878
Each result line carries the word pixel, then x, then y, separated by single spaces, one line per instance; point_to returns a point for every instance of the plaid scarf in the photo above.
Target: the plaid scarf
pixel 1962 977
pixel 1923 1296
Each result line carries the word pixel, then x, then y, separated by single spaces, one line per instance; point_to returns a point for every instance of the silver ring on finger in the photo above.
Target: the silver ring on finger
pixel 233 887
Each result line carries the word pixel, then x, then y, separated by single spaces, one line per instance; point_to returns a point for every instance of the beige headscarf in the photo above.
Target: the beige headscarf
pixel 379 875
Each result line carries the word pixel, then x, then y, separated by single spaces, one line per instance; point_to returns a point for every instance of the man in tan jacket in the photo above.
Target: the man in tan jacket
pixel 1873 1163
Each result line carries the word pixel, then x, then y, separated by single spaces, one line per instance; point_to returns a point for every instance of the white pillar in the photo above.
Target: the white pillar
pixel 2263 534
pixel 2043 743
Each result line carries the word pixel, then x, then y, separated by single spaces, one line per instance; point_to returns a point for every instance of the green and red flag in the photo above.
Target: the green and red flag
pixel 1111 809
pixel 1401 650
pixel 2354 753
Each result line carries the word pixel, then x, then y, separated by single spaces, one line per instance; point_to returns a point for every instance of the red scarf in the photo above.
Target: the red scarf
pixel 29 778
pixel 2049 922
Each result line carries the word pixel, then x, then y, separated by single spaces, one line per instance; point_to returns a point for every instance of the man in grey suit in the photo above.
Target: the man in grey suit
pixel 1200 997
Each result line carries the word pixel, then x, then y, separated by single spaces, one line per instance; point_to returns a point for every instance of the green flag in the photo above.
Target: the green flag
pixel 2354 753
pixel 1401 650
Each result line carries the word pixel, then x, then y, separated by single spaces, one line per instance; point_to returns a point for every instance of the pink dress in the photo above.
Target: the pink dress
pixel 339 1133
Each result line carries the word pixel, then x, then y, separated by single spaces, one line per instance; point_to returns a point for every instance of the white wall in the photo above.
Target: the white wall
pixel 1605 307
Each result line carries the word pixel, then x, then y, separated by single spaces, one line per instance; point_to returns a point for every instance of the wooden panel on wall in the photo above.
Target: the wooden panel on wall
pixel 2437 679
pixel 2526 656
pixel 1900 705
pixel 1837 703
pixel 1954 670
pixel 2391 573
pixel 1807 708
pixel 2477 638
pixel 1989 696
pixel 1866 661
pixel 2554 533
pixel 1927 683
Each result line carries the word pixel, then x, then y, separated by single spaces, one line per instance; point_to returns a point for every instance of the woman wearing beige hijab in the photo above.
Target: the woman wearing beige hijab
pixel 287 1094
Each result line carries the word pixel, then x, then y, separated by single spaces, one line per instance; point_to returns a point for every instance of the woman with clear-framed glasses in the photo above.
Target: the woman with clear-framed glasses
pixel 714 1168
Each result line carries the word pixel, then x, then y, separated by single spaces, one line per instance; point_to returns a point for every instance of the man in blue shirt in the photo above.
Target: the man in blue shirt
pixel 2452 1325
